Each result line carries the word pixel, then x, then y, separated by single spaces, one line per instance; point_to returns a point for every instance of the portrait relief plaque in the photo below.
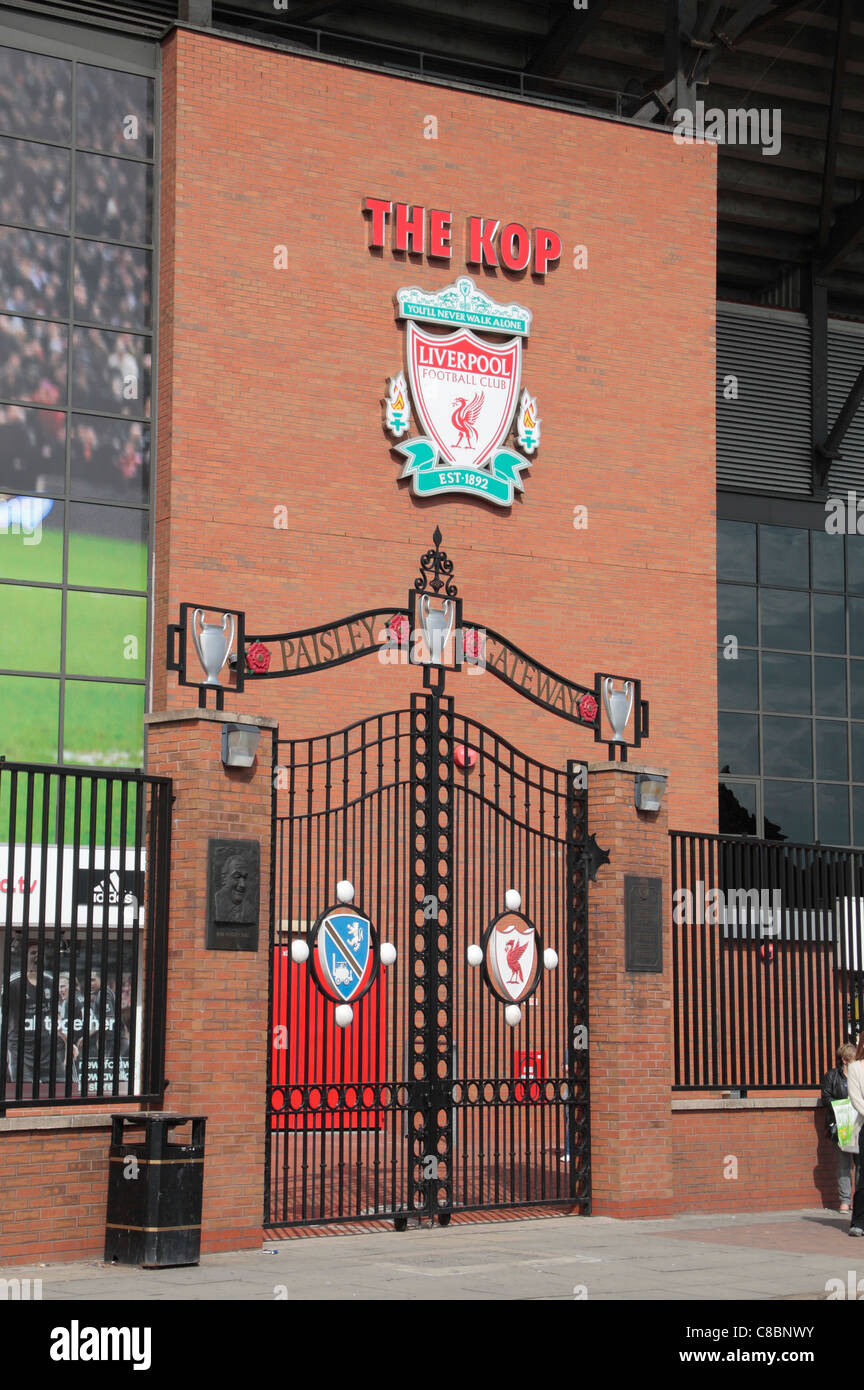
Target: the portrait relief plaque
pixel 643 925
pixel 233 888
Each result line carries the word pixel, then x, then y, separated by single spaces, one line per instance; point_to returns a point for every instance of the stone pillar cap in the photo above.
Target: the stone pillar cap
pixel 213 716
pixel 629 767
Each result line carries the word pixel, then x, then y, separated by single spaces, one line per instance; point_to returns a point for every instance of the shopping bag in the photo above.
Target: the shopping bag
pixel 846 1117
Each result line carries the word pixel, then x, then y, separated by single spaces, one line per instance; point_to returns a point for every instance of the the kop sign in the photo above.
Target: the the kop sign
pixel 476 430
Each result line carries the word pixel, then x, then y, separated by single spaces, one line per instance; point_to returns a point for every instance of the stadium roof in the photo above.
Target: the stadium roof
pixel 784 217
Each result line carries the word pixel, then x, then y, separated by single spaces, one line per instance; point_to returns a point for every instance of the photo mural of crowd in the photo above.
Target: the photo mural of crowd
pixel 112 200
pixel 57 1025
pixel 110 371
pixel 35 94
pixel 36 100
pixel 109 459
pixel 77 143
pixel 112 283
pixel 34 184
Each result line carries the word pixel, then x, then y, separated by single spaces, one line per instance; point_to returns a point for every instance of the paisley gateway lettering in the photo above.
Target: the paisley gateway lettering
pixel 518 672
pixel 306 651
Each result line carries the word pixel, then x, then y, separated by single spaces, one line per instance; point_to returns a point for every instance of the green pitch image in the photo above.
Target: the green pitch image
pixel 106 636
pixel 102 562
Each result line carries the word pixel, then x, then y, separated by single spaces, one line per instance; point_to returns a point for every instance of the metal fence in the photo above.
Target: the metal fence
pixel 768 960
pixel 84 871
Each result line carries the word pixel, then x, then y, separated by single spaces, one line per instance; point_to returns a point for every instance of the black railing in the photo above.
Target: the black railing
pixel 84 872
pixel 768 960
pixel 414 62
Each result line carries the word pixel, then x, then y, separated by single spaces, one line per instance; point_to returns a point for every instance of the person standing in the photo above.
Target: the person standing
pixel 834 1087
pixel 30 995
pixel 855 1083
pixel 70 1027
pixel 103 1016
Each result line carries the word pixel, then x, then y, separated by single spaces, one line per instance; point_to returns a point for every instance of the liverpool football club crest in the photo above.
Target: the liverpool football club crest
pixel 512 957
pixel 465 390
pixel 345 955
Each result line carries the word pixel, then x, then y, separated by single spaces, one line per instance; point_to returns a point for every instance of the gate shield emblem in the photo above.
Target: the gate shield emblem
pixel 512 957
pixel 465 391
pixel 344 960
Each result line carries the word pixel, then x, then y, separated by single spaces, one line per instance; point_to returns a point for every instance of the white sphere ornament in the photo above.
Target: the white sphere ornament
pixel 387 954
pixel 512 900
pixel 513 1014
pixel 475 955
pixel 344 1015
pixel 299 951
pixel 550 958
pixel 344 891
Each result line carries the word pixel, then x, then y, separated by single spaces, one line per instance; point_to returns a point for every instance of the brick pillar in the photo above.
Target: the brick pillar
pixel 630 1014
pixel 217 1016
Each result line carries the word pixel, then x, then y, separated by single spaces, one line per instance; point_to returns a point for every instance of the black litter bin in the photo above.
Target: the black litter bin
pixel 154 1192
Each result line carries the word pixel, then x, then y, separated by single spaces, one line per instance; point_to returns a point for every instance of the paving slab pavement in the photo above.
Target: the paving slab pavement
pixel 687 1258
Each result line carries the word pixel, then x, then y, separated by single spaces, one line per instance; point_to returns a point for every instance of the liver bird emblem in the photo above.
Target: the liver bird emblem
pixel 464 415
pixel 514 950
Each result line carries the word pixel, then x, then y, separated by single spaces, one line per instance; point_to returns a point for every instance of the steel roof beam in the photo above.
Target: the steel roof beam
pixel 835 117
pixel 742 24
pixel 845 418
pixel 755 211
pixel 565 38
pixel 818 315
pixel 848 230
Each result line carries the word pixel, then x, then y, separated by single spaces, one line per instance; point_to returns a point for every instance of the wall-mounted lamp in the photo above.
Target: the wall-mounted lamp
pixel 239 744
pixel 650 790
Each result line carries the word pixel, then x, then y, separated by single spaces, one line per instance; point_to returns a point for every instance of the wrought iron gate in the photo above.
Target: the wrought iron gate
pixel 429 1102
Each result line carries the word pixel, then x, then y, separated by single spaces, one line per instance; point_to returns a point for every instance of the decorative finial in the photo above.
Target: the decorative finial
pixel 433 565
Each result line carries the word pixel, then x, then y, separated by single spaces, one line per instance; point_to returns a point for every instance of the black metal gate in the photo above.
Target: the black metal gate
pixel 84 887
pixel 429 1102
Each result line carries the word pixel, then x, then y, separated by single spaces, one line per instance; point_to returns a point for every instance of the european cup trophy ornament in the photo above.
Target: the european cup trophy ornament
pixel 619 706
pixel 213 644
pixel 437 624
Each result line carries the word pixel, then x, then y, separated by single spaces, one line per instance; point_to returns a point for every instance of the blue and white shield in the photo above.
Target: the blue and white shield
pixel 344 957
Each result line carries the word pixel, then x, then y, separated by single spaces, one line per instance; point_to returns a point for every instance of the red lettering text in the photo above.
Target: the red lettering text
pixel 439 233
pixel 515 246
pixel 380 211
pixel 547 248
pixel 410 226
pixel 481 237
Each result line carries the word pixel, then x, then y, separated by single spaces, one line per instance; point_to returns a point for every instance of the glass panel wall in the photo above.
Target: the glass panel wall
pixel 790 633
pixel 77 143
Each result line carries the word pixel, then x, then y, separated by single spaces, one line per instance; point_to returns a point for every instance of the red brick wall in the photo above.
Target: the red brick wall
pixel 784 1159
pixel 217 1020
pixel 54 1188
pixel 54 1182
pixel 270 388
pixel 630 1043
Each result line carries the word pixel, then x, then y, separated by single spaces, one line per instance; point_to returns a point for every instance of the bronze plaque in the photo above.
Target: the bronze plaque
pixel 233 888
pixel 643 925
